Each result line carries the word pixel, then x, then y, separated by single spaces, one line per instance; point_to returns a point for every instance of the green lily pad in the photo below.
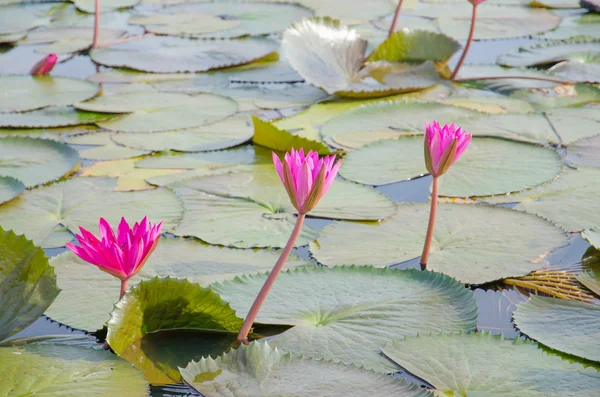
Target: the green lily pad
pixel 592 236
pixel 289 96
pixel 174 54
pixel 61 208
pixel 581 25
pixel 567 326
pixel 493 22
pixel 269 136
pixel 10 188
pixel 584 152
pixel 129 178
pixel 262 370
pixel 221 20
pixel 367 308
pixel 278 71
pixel 531 128
pixel 575 59
pixel 504 86
pixel 403 117
pixel 351 10
pixel 55 369
pixel 565 201
pixel 195 261
pixel 28 283
pixel 460 364
pixel 69 39
pixel 52 117
pixel 491 105
pixel 587 120
pixel 330 56
pixel 36 161
pixel 160 111
pixel 105 5
pixel 559 96
pixel 502 243
pixel 555 4
pixel 21 93
pixel 19 18
pixel 117 75
pixel 590 280
pixel 104 148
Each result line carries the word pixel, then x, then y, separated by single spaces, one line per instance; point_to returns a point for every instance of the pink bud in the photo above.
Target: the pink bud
pixel 44 66
pixel 443 146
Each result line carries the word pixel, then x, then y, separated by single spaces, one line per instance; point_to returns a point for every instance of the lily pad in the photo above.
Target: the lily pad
pixel 195 261
pixel 36 161
pixel 129 178
pixel 269 136
pixel 69 39
pixel 174 54
pixel 70 371
pixel 105 5
pixel 221 20
pixel 584 152
pixel 502 243
pixel 567 326
pixel 575 59
pixel 590 280
pixel 531 128
pixel 10 188
pixel 504 86
pixel 490 166
pixel 581 25
pixel 62 208
pixel 28 283
pixel 104 148
pixel 52 117
pixel 592 236
pixel 19 18
pixel 367 308
pixel 262 370
pixel 350 10
pixel 559 96
pixel 565 201
pixel 460 364
pixel 160 111
pixel 21 93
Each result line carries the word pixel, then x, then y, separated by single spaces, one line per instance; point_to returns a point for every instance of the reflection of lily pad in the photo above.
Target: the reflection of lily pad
pixel 260 370
pixel 502 242
pixel 367 308
pixel 173 54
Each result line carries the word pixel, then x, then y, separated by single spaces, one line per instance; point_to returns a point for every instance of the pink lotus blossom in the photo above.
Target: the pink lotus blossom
pixel 443 146
pixel 306 178
pixel 44 66
pixel 122 255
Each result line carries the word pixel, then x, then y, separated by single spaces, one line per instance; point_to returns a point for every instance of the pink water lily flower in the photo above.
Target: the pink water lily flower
pixel 122 255
pixel 44 66
pixel 443 146
pixel 306 178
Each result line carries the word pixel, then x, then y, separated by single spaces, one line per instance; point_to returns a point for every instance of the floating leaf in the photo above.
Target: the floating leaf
pixel 559 96
pixel 160 111
pixel 69 39
pixel 475 244
pixel 592 236
pixel 565 201
pixel 491 105
pixel 262 370
pixel 129 178
pixel 584 152
pixel 352 10
pixel 566 326
pixel 105 5
pixel 62 208
pixel 269 136
pixel 460 364
pixel 21 93
pixel 20 18
pixel 10 188
pixel 28 283
pixel 580 25
pixel 36 161
pixel 221 20
pixel 195 261
pixel 52 117
pixel 70 371
pixel 104 148
pixel 505 86
pixel 590 280
pixel 367 308
pixel 173 54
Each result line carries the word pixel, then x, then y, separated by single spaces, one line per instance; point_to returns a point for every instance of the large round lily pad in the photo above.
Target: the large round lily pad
pixel 475 244
pixel 69 371
pixel 262 370
pixel 489 166
pixel 462 364
pixel 36 161
pixel 61 116
pixel 567 326
pixel 347 313
pixel 21 93
pixel 160 111
pixel 173 54
pixel 62 208
pixel 10 188
pixel 181 258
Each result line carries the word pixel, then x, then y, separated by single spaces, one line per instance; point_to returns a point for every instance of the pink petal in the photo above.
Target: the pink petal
pixel 106 231
pixel 278 166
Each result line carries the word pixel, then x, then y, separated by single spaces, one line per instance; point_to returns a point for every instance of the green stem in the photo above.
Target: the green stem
pixel 431 225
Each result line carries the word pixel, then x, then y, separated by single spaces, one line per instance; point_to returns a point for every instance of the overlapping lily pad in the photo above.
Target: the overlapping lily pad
pixel 266 371
pixel 490 166
pixel 61 208
pixel 564 201
pixel 10 188
pixel 36 161
pixel 70 371
pixel 580 25
pixel 587 120
pixel 590 280
pixel 567 326
pixel 505 86
pixel 367 308
pixel 52 117
pixel 21 93
pixel 16 19
pixel 173 54
pixel 103 147
pixel 195 261
pixel 27 283
pixel 559 96
pixel 129 178
pixel 221 20
pixel 460 364
pixel 267 135
pixel 107 5
pixel 69 40
pixel 585 152
pixel 593 236
pixel 475 244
